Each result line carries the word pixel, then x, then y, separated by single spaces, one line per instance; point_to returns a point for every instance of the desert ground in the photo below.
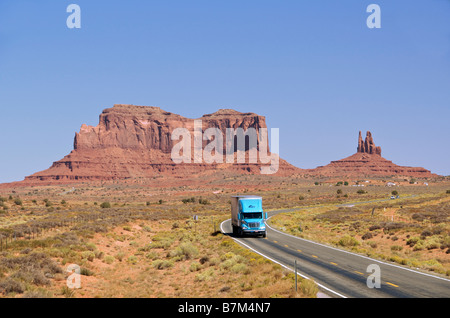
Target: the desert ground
pixel 138 237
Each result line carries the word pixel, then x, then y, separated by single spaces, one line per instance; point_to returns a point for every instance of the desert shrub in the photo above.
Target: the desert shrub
pixel 348 241
pixel 372 244
pixel 228 263
pixel 439 213
pixel 396 248
pixel 367 236
pixel 204 259
pixel 132 260
pixel 190 200
pixel 31 261
pixel 391 226
pixel 448 192
pixel 308 287
pixel 18 201
pixel 37 294
pixel 186 250
pixel 340 215
pixel 33 268
pixel 89 255
pixel 195 267
pixel 11 286
pixel 108 259
pixel 412 241
pixel 162 241
pixel 432 243
pixel 206 275
pixel 105 205
pixel 162 264
pixel 67 239
pixel 31 276
pixel 239 268
pixel 120 256
pixel 419 246
pixel 361 191
pixel 86 271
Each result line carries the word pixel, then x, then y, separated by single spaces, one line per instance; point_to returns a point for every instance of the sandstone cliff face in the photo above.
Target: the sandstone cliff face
pixel 150 128
pixel 135 142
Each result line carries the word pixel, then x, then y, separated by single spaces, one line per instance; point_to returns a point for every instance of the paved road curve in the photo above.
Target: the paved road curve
pixel 340 273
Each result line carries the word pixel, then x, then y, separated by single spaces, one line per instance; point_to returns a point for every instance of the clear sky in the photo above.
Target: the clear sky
pixel 313 68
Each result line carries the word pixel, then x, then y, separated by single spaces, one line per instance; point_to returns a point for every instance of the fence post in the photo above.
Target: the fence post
pixel 295 273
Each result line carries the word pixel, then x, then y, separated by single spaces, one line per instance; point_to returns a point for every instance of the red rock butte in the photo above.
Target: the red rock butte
pixel 132 142
pixel 135 142
pixel 367 162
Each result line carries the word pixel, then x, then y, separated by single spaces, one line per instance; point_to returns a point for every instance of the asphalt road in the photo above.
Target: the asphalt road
pixel 341 273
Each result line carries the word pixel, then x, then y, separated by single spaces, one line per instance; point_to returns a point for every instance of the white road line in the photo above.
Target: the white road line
pixel 265 256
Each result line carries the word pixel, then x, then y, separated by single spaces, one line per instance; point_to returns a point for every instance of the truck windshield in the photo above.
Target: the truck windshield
pixel 252 215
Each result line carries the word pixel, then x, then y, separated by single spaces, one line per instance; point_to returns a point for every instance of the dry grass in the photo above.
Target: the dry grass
pixel 147 245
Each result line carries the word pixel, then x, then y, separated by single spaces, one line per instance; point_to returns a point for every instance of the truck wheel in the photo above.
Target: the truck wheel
pixel 264 234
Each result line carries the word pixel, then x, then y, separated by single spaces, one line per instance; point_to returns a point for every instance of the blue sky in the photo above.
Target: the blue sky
pixel 313 68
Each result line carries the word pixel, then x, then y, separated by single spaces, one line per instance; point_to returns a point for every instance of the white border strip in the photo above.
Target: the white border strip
pixel 265 256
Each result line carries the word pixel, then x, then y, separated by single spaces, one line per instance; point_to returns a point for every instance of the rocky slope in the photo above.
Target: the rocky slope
pixel 367 162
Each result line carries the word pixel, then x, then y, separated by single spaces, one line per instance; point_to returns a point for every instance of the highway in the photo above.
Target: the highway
pixel 340 273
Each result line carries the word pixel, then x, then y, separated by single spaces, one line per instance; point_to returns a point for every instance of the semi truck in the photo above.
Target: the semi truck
pixel 247 215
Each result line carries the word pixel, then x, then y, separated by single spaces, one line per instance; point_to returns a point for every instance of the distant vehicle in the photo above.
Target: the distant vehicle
pixel 247 215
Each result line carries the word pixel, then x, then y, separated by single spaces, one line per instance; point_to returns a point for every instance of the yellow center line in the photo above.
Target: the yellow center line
pixel 359 273
pixel 391 284
pixel 299 251
pixel 315 256
pixel 286 245
pixel 275 241
pixel 333 264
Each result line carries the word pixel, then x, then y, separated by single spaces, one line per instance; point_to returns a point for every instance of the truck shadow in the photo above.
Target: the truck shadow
pixel 236 236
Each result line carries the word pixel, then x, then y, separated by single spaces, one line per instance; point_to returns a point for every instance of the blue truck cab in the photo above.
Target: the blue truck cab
pixel 247 215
